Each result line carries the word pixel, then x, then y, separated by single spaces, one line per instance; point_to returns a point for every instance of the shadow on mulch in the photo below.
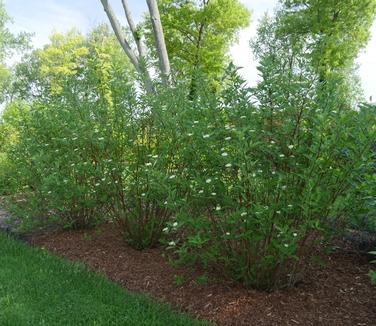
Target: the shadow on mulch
pixel 335 293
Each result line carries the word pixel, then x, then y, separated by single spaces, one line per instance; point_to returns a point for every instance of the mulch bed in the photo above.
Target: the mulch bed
pixel 337 292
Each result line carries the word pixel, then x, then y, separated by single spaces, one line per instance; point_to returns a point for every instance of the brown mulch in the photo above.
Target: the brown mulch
pixel 337 292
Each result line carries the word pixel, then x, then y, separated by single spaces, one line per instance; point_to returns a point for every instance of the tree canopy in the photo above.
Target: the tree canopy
pixel 198 33
pixel 74 64
pixel 335 29
pixel 8 43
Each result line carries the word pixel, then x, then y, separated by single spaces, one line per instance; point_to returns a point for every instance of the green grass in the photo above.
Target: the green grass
pixel 37 288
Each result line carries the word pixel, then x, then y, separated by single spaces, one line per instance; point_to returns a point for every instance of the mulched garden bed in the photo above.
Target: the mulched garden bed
pixel 335 292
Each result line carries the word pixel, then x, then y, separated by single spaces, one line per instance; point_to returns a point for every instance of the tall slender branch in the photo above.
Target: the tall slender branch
pixel 132 26
pixel 119 34
pixel 135 60
pixel 164 63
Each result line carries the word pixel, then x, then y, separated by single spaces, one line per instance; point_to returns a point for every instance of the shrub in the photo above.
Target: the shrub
pixel 86 158
pixel 64 152
pixel 86 149
pixel 10 120
pixel 246 188
pixel 144 192
pixel 59 158
pixel 8 184
pixel 361 213
pixel 260 182
pixel 242 180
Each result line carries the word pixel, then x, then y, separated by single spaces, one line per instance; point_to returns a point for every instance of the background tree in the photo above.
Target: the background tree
pixel 335 30
pixel 198 34
pixel 322 38
pixel 72 64
pixel 5 40
pixel 8 133
pixel 8 43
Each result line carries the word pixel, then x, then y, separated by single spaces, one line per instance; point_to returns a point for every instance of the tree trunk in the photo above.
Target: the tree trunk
pixel 132 26
pixel 137 63
pixel 164 63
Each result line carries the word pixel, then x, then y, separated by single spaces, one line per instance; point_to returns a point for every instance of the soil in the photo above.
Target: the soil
pixel 336 291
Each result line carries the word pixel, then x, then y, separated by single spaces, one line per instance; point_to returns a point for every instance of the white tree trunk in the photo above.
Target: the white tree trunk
pixel 119 34
pixel 135 60
pixel 132 26
pixel 164 63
